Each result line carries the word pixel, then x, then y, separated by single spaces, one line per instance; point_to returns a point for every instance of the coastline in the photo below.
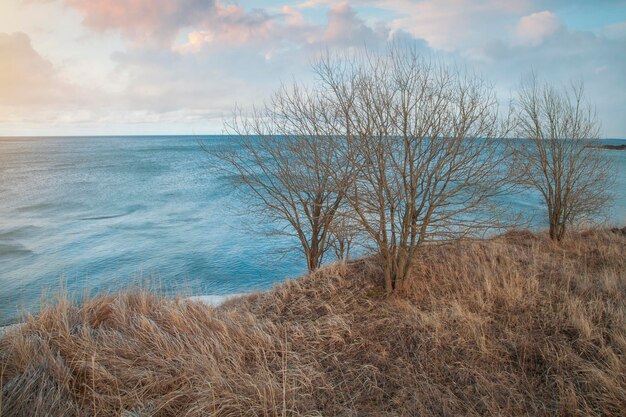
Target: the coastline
pixel 609 147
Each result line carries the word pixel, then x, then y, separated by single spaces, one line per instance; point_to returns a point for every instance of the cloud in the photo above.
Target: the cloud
pixel 293 17
pixel 214 70
pixel 188 62
pixel 165 81
pixel 285 31
pixel 344 27
pixel 563 56
pixel 534 28
pixel 232 25
pixel 159 22
pixel 616 31
pixel 26 77
pixel 240 57
pixel 144 20
pixel 34 92
pixel 449 25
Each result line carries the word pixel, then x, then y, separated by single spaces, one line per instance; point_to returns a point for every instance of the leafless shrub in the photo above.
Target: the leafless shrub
pixel 291 159
pixel 560 160
pixel 425 146
pixel 400 148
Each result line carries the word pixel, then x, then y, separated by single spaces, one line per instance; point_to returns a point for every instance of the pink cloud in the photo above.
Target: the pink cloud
pixel 293 17
pixel 534 28
pixel 344 25
pixel 26 77
pixel 289 29
pixel 208 21
pixel 143 20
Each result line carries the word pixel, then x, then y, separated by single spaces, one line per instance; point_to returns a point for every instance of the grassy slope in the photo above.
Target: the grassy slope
pixel 511 326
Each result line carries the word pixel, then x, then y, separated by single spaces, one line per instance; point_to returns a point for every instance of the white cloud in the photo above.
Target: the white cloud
pixel 615 31
pixel 449 25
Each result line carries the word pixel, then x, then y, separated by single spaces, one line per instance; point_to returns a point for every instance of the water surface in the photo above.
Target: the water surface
pixel 97 213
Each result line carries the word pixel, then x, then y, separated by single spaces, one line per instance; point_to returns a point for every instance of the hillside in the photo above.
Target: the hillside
pixel 511 326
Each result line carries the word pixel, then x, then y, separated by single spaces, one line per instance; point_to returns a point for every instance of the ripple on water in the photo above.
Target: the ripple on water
pixel 14 249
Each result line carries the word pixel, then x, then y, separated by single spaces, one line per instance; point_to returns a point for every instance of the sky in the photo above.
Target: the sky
pixel 108 67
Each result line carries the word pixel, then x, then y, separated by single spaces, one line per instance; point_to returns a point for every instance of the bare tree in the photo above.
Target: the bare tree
pixel 291 160
pixel 425 151
pixel 403 148
pixel 560 160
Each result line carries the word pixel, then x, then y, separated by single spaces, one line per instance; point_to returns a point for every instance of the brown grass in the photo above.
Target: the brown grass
pixel 510 326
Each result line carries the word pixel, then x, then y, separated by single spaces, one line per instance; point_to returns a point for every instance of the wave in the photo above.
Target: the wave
pixel 18 232
pixel 14 250
pixel 215 300
pixel 131 210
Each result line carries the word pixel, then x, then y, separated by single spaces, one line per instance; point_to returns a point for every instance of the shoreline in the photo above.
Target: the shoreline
pixel 621 147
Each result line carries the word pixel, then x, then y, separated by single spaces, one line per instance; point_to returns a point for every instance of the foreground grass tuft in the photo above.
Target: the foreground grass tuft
pixel 515 325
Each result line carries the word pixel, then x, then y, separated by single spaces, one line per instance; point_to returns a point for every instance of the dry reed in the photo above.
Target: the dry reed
pixel 515 325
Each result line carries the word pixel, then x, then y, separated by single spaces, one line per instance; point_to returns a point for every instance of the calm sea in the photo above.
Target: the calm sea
pixel 101 213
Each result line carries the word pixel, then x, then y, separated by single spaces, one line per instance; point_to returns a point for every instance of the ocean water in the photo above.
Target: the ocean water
pixel 92 214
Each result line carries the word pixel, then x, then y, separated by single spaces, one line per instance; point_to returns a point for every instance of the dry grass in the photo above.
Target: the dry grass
pixel 511 326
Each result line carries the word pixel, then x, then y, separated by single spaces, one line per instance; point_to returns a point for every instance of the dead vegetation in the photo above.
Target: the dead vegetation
pixel 516 325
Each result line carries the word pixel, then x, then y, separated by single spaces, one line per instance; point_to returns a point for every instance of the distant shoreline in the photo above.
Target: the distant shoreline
pixel 621 147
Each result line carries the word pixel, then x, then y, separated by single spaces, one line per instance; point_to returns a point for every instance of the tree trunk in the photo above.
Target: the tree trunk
pixel 552 230
pixel 389 280
pixel 558 227
pixel 561 230
pixel 402 262
pixel 312 258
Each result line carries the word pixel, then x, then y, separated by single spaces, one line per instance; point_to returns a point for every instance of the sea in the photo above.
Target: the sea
pixel 85 215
